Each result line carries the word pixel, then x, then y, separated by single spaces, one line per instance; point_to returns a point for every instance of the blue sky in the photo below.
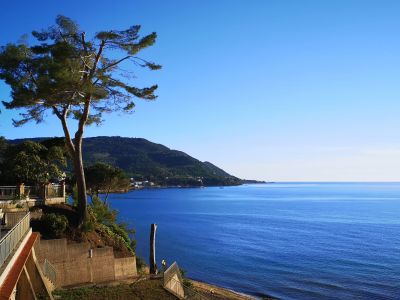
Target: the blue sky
pixel 275 90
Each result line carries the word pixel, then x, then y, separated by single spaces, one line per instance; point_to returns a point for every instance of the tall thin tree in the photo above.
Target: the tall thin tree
pixel 75 77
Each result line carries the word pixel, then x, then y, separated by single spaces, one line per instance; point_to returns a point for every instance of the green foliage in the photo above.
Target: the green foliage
pixel 186 281
pixel 74 196
pixel 54 224
pixel 140 289
pixel 3 147
pixel 102 211
pixel 64 72
pixel 74 76
pixel 90 223
pixel 31 163
pixel 145 160
pixel 104 218
pixel 115 235
pixel 101 177
pixel 140 263
pixel 183 272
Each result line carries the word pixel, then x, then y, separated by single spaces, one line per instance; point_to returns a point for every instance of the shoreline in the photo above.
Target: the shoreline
pixel 217 291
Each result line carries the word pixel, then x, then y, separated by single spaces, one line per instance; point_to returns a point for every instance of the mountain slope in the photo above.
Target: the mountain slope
pixel 144 160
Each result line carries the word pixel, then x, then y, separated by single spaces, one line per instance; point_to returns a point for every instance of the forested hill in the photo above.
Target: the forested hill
pixel 144 160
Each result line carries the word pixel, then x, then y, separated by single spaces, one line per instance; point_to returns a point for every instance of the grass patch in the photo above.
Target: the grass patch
pixel 146 289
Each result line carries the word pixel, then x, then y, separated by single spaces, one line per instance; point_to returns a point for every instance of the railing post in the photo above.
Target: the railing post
pixel 63 188
pixel 21 191
pixel 44 191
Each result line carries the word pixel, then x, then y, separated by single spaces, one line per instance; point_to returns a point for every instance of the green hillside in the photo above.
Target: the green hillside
pixel 144 160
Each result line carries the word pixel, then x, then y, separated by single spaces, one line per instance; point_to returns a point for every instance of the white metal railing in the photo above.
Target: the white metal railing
pixel 11 219
pixel 54 191
pixel 25 192
pixel 9 242
pixel 50 272
pixel 31 191
pixel 8 192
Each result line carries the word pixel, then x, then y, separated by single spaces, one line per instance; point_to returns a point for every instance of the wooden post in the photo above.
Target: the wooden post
pixel 153 265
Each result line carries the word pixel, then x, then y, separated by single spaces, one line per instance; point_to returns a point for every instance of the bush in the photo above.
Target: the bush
pixel 105 218
pixel 90 223
pixel 19 205
pixel 140 263
pixel 54 224
pixel 74 196
pixel 102 211
pixel 186 281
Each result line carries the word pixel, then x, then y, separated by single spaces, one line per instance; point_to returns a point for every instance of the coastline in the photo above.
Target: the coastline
pixel 218 292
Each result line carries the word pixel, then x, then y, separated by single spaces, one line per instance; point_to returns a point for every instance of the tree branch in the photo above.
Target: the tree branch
pixel 63 117
pixel 86 66
pixel 84 43
pixel 116 63
pixel 97 58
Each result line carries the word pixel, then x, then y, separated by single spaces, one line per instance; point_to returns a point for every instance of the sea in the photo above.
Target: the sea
pixel 286 240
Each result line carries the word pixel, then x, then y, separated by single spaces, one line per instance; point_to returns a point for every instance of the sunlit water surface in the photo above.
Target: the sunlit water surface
pixel 288 240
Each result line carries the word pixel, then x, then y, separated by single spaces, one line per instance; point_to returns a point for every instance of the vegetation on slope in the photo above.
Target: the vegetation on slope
pixel 144 160
pixel 101 229
pixel 145 289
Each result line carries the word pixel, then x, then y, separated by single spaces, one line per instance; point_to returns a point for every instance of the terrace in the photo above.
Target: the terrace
pixel 18 196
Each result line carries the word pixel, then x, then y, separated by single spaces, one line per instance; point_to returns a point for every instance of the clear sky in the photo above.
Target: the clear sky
pixel 275 90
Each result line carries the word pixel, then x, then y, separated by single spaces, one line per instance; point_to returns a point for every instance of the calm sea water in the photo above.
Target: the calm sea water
pixel 288 240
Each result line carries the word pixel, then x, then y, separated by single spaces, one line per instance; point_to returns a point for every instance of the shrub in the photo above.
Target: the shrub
pixel 186 281
pixel 54 224
pixel 90 223
pixel 140 263
pixel 104 229
pixel 104 214
pixel 74 196
pixel 105 218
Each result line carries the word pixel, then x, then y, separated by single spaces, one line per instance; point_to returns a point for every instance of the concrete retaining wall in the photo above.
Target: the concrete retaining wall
pixel 57 200
pixel 123 267
pixel 76 263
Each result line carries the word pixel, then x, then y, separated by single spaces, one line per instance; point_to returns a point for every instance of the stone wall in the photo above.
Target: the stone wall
pixel 77 263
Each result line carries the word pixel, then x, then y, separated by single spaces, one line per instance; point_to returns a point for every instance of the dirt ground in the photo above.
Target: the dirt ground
pixel 215 292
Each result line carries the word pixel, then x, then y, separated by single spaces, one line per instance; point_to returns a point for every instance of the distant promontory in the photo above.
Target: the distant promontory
pixel 145 161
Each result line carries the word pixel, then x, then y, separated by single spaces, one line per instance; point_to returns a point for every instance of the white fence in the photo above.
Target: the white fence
pixel 8 192
pixel 9 242
pixel 24 192
pixel 54 191
pixel 50 272
pixel 32 191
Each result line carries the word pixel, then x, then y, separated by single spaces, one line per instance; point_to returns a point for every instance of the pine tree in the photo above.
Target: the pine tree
pixel 75 78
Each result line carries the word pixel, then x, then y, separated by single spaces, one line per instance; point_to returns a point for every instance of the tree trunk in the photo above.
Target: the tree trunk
pixel 75 150
pixel 81 185
pixel 153 265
